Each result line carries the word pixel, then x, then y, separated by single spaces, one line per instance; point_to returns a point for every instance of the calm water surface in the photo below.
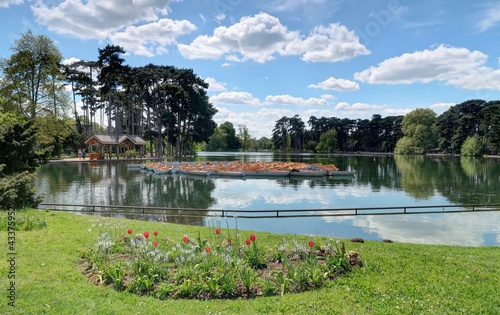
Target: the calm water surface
pixel 379 182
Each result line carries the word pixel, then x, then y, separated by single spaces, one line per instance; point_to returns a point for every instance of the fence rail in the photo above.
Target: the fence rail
pixel 259 214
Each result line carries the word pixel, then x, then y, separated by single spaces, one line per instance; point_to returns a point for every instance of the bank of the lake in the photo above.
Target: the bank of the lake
pixel 398 278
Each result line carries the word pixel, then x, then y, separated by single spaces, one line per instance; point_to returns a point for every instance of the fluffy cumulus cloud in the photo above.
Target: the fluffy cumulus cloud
pixel 455 66
pixel 295 101
pixel 262 37
pixel 7 3
pixel 214 85
pixel 257 38
pixel 152 38
pixel 336 85
pixel 330 43
pixel 235 98
pixel 137 25
pixel 357 109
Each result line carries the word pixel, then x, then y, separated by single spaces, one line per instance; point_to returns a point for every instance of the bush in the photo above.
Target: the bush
pixel 472 147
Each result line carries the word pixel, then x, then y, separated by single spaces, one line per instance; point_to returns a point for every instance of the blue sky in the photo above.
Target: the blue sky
pixel 268 59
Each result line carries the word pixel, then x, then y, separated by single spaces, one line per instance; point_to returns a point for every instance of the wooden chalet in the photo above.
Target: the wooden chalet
pixel 104 145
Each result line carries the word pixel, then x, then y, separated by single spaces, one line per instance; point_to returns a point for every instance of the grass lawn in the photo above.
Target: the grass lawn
pixel 396 278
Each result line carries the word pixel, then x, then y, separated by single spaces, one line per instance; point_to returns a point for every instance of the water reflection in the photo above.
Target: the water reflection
pixel 383 181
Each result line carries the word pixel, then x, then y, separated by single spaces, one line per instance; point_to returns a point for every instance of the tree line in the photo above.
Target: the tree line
pixel 332 134
pixel 468 128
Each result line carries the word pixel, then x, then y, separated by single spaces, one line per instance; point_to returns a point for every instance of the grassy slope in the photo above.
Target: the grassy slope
pixel 397 279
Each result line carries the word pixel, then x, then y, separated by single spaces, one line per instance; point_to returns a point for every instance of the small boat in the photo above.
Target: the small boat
pixel 165 169
pixel 196 172
pixel 227 173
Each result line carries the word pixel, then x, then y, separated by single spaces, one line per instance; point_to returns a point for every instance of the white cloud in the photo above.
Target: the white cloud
pixel 336 85
pixel 70 61
pixel 220 17
pixel 257 38
pixel 330 43
pixel 262 37
pixel 215 86
pixel 397 112
pixel 358 110
pixel 94 19
pixel 235 98
pixel 442 106
pixel 143 39
pixel 136 25
pixel 318 113
pixel 455 66
pixel 7 3
pixel 491 17
pixel 259 124
pixel 295 101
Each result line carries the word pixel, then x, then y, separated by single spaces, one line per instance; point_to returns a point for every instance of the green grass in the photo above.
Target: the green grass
pixel 396 279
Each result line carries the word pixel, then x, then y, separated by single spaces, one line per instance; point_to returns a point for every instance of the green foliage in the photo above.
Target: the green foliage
pixel 472 147
pixel 224 138
pixel 263 144
pixel 407 145
pixel 23 220
pixel 33 76
pixel 490 126
pixel 218 141
pixel 327 142
pixel 244 138
pixel 419 134
pixel 460 122
pixel 206 268
pixel 18 160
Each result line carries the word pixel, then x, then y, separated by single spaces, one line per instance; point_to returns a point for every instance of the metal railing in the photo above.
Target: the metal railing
pixel 259 214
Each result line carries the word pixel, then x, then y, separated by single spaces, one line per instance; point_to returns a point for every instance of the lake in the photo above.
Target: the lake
pixel 380 181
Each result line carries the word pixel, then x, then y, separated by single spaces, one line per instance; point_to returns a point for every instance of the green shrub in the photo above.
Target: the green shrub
pixel 472 147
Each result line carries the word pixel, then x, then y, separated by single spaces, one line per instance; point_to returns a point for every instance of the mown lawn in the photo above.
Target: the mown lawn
pixel 396 278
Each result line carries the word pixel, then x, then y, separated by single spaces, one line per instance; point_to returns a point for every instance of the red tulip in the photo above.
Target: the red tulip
pixel 217 231
pixel 185 239
pixel 248 242
pixel 146 234
pixel 155 244
pixel 311 244
pixel 129 231
pixel 252 237
pixel 207 250
pixel 155 233
pixel 229 240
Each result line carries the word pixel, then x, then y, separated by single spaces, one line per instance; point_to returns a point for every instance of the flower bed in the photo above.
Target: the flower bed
pixel 223 266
